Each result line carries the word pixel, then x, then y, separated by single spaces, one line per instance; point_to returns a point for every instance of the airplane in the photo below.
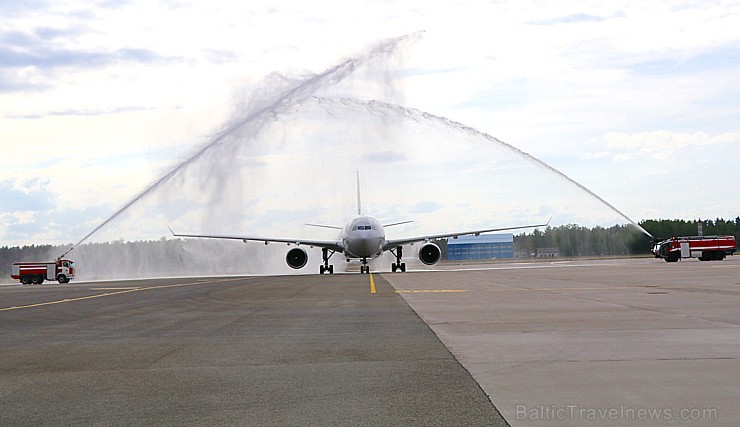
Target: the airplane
pixel 362 238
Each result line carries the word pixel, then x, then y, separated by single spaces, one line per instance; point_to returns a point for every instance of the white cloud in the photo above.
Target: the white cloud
pixel 666 145
pixel 25 217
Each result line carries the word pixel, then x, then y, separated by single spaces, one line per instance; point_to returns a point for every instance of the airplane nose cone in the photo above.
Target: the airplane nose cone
pixel 364 248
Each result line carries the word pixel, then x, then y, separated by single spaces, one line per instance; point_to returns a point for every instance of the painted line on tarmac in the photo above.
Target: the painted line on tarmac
pixel 602 288
pixel 513 267
pixel 66 300
pixel 569 289
pixel 108 294
pixel 432 291
pixel 372 284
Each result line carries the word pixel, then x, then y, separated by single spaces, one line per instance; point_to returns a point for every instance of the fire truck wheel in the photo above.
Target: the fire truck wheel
pixel 35 280
pixel 62 279
pixel 24 280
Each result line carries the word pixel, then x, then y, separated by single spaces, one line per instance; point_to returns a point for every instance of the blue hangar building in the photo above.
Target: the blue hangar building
pixel 485 246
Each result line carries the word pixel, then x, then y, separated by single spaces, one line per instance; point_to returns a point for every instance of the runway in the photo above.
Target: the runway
pixel 611 342
pixel 300 350
pixel 581 342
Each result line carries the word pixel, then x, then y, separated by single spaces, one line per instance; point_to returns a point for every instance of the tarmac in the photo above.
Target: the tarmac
pixel 293 350
pixel 559 342
pixel 609 342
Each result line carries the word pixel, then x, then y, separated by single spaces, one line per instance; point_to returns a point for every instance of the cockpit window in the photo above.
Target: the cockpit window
pixel 362 227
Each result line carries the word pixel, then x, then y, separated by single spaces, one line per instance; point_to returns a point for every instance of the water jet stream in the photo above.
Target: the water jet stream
pixel 415 114
pixel 299 92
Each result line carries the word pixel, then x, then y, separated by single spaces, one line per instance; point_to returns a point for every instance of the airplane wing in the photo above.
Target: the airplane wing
pixel 394 243
pixel 328 244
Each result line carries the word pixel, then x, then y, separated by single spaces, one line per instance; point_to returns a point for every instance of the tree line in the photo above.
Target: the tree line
pixel 664 229
pixel 574 240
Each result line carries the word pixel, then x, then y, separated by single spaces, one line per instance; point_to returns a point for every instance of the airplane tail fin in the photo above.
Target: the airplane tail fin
pixel 359 203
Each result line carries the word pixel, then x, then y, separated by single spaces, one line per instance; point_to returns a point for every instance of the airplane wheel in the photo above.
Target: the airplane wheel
pixel 321 269
pixel 393 267
pixel 403 267
pixel 331 269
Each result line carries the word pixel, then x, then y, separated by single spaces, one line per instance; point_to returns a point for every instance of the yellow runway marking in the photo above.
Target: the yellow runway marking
pixel 62 301
pixel 564 289
pixel 108 294
pixel 432 291
pixel 570 289
pixel 372 284
pixel 603 288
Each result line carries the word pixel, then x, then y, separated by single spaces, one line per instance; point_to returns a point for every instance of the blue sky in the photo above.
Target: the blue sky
pixel 637 100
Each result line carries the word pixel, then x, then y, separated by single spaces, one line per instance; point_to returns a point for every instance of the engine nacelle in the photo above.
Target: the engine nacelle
pixel 297 258
pixel 429 253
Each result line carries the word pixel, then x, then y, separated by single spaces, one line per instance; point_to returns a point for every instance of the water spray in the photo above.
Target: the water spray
pixel 415 114
pixel 299 92
pixel 262 111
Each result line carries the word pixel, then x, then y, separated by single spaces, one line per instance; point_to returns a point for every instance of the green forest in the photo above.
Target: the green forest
pixel 193 256
pixel 573 240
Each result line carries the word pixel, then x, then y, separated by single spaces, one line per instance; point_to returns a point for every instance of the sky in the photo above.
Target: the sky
pixel 636 100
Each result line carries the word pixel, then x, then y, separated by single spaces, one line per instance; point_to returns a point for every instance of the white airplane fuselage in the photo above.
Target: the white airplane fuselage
pixel 363 237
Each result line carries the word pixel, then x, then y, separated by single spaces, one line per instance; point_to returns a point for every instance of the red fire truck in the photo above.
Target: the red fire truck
pixel 61 270
pixel 706 248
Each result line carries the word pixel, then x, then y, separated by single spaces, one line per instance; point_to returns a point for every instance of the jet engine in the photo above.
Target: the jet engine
pixel 429 253
pixel 297 258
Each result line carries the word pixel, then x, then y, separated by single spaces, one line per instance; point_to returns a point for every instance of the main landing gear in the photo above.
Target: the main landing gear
pixel 398 265
pixel 326 268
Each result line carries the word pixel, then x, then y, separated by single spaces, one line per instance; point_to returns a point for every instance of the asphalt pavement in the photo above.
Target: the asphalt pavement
pixel 296 350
